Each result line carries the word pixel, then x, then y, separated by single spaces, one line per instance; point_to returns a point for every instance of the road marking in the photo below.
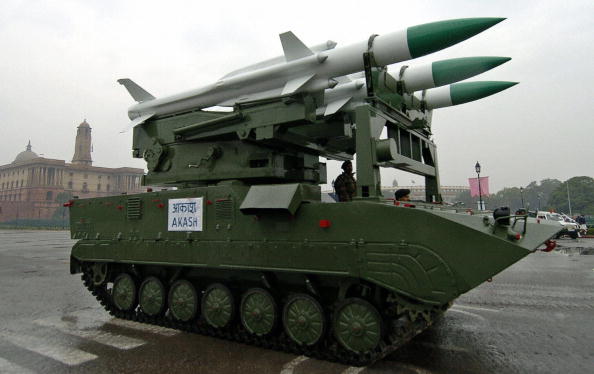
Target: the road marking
pixel 101 317
pixel 7 367
pixel 453 309
pixel 354 370
pixel 417 370
pixel 476 308
pixel 66 355
pixel 453 348
pixel 102 337
pixel 164 331
pixel 290 366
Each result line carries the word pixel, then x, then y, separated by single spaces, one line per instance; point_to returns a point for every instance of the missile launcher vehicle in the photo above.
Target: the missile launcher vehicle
pixel 245 249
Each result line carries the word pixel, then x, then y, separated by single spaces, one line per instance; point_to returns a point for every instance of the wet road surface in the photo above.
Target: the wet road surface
pixel 535 317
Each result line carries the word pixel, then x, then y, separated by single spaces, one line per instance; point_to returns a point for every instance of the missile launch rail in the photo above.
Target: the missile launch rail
pixel 245 249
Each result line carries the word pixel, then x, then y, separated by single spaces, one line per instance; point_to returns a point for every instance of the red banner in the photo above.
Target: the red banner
pixel 474 186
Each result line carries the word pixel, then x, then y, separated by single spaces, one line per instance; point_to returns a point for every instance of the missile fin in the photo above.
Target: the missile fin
pixel 137 121
pixel 343 79
pixel 295 84
pixel 335 106
pixel 278 60
pixel 293 47
pixel 138 93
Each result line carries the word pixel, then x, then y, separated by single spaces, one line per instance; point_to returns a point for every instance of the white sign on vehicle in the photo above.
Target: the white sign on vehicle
pixel 185 214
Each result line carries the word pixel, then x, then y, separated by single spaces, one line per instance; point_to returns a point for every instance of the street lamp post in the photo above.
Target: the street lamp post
pixel 539 195
pixel 477 168
pixel 522 195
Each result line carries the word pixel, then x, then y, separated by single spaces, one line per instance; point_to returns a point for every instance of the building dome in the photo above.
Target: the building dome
pixel 26 155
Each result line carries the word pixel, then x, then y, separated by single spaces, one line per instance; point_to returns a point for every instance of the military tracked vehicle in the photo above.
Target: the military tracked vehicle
pixel 244 249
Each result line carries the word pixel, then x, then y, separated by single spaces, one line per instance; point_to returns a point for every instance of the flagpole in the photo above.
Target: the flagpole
pixel 568 198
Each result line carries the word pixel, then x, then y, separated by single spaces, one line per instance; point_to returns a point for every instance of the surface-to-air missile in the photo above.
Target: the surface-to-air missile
pixel 352 94
pixel 461 93
pixel 416 78
pixel 305 70
pixel 246 249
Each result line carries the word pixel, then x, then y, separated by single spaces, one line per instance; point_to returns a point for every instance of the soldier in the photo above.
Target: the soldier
pixel 402 194
pixel 345 185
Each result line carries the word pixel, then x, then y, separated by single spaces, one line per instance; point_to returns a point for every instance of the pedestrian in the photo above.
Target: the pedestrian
pixel 581 220
pixel 345 186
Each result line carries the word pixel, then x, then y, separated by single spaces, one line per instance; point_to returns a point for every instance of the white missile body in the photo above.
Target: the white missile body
pixel 305 70
pixel 414 78
pixel 348 96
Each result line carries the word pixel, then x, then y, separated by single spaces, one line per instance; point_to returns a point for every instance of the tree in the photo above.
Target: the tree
pixel 535 196
pixel 581 193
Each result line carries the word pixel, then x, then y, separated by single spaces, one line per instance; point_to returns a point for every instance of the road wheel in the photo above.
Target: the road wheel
pixel 217 305
pixel 357 325
pixel 99 273
pixel 152 297
pixel 124 292
pixel 303 319
pixel 183 300
pixel 258 311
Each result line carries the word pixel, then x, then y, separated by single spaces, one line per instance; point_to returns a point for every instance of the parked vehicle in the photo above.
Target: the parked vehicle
pixel 570 227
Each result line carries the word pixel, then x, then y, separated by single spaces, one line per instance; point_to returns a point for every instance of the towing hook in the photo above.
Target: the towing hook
pixel 550 245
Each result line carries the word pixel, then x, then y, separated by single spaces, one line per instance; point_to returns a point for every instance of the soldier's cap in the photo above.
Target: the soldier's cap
pixel 344 164
pixel 401 193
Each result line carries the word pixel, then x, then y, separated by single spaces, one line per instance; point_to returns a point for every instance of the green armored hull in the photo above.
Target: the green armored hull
pixel 339 267
pixel 245 250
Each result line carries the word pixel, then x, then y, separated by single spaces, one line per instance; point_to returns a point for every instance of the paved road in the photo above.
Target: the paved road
pixel 535 317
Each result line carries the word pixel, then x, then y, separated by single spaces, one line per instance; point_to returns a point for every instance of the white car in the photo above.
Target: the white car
pixel 570 227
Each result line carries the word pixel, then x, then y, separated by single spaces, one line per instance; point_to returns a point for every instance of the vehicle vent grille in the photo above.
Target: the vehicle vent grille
pixel 134 208
pixel 224 210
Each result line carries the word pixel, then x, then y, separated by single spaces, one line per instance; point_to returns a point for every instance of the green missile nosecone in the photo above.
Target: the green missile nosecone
pixel 460 93
pixel 434 36
pixel 444 72
pixel 465 92
pixel 459 69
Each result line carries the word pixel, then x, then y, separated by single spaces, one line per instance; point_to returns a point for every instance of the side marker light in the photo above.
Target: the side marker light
pixel 324 223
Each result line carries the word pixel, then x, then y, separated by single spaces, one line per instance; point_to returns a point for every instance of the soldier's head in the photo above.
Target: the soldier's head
pixel 402 194
pixel 347 166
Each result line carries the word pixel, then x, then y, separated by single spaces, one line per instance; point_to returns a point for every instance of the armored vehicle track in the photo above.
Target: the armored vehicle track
pixel 357 330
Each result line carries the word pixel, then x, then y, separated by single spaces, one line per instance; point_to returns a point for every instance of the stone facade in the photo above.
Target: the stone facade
pixel 31 186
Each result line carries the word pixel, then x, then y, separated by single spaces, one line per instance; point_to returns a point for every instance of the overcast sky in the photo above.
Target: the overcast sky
pixel 60 61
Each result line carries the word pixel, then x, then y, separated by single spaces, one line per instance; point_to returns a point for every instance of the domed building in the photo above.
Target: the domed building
pixel 32 187
pixel 25 155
